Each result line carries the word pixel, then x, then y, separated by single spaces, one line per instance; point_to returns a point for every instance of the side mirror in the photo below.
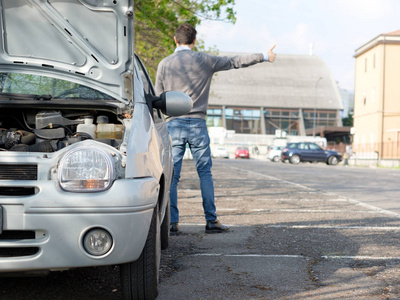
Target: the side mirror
pixel 173 103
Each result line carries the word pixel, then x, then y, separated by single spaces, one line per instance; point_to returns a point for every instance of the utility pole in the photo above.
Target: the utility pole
pixel 315 104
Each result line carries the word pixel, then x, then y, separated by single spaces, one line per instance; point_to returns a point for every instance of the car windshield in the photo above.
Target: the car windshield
pixel 18 84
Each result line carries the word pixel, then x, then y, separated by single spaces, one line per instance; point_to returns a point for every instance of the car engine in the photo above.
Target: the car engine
pixel 51 130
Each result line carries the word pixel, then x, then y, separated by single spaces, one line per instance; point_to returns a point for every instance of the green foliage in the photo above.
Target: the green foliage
pixel 156 21
pixel 348 121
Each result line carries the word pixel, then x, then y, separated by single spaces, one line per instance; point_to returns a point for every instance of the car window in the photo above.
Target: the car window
pixel 147 84
pixel 29 84
pixel 302 146
pixel 315 147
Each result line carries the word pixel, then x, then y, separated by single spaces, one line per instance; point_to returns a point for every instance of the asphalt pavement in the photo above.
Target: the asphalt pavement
pixel 287 241
pixel 291 238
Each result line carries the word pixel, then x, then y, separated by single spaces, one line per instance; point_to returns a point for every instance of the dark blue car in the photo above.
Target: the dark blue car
pixel 311 152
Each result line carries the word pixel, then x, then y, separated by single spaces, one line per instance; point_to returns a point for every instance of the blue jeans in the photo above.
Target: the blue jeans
pixel 193 132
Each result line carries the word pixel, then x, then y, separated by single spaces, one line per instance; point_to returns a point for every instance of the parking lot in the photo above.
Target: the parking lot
pixel 292 236
pixel 288 241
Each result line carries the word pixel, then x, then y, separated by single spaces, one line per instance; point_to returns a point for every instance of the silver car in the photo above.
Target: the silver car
pixel 85 155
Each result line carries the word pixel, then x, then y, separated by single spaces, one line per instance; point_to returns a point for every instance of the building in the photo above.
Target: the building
pixel 377 98
pixel 295 94
pixel 348 102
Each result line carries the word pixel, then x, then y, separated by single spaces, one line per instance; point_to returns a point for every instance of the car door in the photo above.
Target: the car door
pixel 303 151
pixel 316 153
pixel 160 126
pixel 158 117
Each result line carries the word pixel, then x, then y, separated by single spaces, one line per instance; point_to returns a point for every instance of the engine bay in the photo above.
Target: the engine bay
pixel 49 130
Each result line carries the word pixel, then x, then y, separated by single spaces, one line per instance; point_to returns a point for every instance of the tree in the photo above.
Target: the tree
pixel 156 21
pixel 348 121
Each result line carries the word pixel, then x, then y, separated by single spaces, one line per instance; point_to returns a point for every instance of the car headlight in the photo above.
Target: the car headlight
pixel 86 170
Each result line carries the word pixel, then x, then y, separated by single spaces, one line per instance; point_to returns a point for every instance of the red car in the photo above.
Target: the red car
pixel 242 152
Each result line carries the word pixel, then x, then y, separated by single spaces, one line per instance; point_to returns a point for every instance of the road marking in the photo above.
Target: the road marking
pixel 378 228
pixel 314 211
pixel 367 228
pixel 375 208
pixel 287 199
pixel 249 255
pixel 356 257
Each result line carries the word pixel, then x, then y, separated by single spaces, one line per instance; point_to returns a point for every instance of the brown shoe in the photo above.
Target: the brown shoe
pixel 216 227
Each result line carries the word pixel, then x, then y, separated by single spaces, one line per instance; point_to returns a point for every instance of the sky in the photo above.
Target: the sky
pixel 334 28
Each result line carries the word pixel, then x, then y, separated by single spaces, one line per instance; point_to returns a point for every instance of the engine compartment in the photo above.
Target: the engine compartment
pixel 49 130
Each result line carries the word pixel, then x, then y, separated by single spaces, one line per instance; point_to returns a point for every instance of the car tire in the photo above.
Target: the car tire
pixel 165 227
pixel 294 159
pixel 139 279
pixel 333 161
pixel 276 158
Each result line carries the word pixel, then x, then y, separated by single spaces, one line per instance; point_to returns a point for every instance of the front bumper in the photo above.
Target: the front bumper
pixel 59 221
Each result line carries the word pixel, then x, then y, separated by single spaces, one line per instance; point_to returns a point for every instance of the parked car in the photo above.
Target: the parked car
pixel 220 152
pixel 85 155
pixel 309 152
pixel 242 152
pixel 274 153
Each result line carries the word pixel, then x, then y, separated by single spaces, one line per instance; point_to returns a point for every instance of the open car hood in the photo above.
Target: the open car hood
pixel 89 42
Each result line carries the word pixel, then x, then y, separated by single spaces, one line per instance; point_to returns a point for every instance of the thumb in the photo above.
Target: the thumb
pixel 272 48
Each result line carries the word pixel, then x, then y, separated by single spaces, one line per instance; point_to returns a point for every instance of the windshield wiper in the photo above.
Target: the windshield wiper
pixel 14 96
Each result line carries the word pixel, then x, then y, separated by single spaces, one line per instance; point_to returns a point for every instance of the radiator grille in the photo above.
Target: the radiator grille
pixel 18 251
pixel 16 191
pixel 17 235
pixel 18 172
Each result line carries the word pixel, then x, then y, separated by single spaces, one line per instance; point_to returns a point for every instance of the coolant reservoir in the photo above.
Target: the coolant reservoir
pixel 88 127
pixel 104 129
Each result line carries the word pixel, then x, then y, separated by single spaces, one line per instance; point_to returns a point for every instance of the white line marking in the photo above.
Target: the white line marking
pixel 288 200
pixel 362 257
pixel 378 228
pixel 375 208
pixel 356 257
pixel 249 255
pixel 314 210
pixel 366 228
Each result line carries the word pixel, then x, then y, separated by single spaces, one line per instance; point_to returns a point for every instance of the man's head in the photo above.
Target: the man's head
pixel 185 34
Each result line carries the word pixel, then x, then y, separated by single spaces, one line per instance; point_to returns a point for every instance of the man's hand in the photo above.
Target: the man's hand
pixel 271 54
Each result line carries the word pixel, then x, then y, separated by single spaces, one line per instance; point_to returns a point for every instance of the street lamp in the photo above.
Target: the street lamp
pixel 315 105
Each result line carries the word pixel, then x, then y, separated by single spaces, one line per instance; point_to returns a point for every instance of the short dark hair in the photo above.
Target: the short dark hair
pixel 185 34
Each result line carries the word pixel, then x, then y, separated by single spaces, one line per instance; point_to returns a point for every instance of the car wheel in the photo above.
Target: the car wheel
pixel 276 158
pixel 165 227
pixel 139 279
pixel 294 159
pixel 333 160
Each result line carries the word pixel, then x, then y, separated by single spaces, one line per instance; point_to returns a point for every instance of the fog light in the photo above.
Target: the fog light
pixel 97 242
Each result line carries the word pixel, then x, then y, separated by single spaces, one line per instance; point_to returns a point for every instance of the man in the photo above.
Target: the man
pixel 191 72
